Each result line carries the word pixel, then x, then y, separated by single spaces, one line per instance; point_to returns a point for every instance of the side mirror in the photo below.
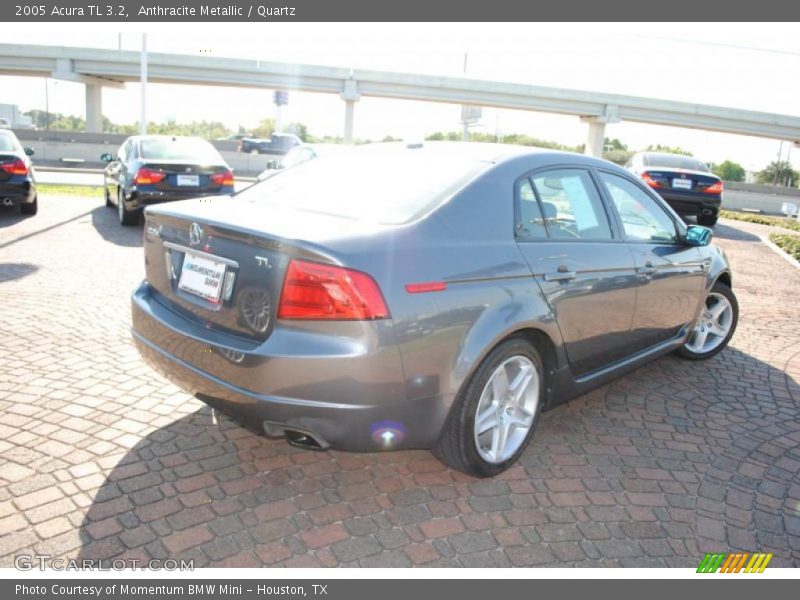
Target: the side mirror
pixel 697 235
pixel 29 151
pixel 106 157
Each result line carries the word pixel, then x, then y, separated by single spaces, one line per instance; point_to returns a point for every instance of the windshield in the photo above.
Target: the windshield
pixel 7 143
pixel 189 149
pixel 675 161
pixel 374 185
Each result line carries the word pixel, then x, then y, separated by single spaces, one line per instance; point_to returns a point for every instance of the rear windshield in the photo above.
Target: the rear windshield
pixel 192 149
pixel 7 143
pixel 377 187
pixel 674 161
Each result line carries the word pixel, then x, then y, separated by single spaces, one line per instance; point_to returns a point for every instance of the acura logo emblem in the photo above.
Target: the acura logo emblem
pixel 195 234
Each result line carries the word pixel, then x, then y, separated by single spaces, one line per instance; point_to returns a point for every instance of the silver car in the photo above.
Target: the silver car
pixel 437 295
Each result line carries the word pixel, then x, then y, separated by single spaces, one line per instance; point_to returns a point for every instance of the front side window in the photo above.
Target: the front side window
pixel 643 220
pixel 571 205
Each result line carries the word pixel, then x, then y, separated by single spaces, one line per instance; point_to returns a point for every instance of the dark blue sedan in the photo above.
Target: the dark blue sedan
pixel 685 183
pixel 154 169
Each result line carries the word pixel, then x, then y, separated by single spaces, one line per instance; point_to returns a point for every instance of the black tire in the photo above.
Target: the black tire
pixel 126 217
pixel 109 203
pixel 718 288
pixel 707 220
pixel 456 446
pixel 30 209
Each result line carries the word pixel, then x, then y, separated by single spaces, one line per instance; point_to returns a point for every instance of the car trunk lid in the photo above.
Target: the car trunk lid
pixel 681 180
pixel 181 176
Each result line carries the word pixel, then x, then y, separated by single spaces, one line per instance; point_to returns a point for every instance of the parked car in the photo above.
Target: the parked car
pixel 300 154
pixel 686 183
pixel 17 177
pixel 279 143
pixel 434 296
pixel 155 168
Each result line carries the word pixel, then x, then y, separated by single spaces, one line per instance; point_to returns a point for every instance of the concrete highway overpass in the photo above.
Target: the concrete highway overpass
pixel 97 68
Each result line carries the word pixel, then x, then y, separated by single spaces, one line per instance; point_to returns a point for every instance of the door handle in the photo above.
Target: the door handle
pixel 648 269
pixel 561 275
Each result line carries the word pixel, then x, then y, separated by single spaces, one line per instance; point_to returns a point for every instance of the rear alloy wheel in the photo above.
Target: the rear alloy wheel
pixel 493 419
pixel 30 209
pixel 126 217
pixel 715 325
pixel 707 220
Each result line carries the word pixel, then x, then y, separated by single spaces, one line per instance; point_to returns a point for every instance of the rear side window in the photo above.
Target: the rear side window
pixel 188 149
pixel 643 220
pixel 571 205
pixel 7 143
pixel 530 222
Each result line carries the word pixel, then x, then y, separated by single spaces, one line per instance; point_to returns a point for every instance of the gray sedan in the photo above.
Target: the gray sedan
pixel 436 295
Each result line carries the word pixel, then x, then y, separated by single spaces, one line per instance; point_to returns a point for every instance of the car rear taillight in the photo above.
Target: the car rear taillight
pixel 224 178
pixel 15 167
pixel 316 291
pixel 715 188
pixel 649 180
pixel 147 176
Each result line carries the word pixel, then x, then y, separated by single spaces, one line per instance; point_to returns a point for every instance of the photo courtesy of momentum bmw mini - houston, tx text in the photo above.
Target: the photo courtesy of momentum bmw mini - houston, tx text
pixel 499 298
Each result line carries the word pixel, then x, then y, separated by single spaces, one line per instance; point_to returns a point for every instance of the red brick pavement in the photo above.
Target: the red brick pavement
pixel 100 458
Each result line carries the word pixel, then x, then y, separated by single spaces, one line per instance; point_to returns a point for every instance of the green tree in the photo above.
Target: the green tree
pixel 667 149
pixel 265 129
pixel 298 129
pixel 729 171
pixel 779 173
pixel 614 144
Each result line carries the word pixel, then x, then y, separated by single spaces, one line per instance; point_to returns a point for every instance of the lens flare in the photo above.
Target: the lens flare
pixel 388 434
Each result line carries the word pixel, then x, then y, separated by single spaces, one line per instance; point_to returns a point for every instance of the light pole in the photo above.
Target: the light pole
pixel 46 106
pixel 143 85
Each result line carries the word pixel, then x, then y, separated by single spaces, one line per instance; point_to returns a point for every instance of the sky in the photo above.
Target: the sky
pixel 739 65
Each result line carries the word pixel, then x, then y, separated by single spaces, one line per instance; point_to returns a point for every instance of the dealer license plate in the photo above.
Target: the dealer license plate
pixel 202 277
pixel 189 180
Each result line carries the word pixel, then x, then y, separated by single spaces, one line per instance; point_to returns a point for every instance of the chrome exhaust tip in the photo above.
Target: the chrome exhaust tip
pixel 299 438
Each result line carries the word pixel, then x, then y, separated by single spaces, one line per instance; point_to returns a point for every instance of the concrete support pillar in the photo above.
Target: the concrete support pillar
pixel 349 116
pixel 94 108
pixel 350 95
pixel 595 138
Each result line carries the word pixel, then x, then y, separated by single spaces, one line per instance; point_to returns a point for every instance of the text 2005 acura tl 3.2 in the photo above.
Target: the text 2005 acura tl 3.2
pixel 424 296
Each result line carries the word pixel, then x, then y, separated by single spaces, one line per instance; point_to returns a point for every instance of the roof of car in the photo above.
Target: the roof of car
pixel 479 151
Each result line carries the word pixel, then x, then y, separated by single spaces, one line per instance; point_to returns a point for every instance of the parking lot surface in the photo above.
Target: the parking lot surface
pixel 101 458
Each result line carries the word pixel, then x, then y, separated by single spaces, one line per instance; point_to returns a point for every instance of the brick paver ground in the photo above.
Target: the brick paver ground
pixel 101 458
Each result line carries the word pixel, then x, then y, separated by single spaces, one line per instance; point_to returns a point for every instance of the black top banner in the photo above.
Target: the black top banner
pixel 406 10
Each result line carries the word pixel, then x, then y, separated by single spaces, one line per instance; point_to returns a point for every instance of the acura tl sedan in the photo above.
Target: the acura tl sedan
pixel 685 183
pixel 159 168
pixel 438 296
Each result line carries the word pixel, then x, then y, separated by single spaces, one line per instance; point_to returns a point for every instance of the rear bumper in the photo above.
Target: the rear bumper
pixel 347 395
pixel 22 192
pixel 691 204
pixel 140 199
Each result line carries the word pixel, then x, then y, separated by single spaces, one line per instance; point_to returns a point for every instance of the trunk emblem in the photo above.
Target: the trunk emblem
pixel 262 261
pixel 195 234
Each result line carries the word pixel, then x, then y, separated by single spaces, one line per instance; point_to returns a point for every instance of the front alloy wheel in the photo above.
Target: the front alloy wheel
pixel 715 325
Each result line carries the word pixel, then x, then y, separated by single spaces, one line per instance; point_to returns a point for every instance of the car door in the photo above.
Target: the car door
pixel 671 275
pixel 579 262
